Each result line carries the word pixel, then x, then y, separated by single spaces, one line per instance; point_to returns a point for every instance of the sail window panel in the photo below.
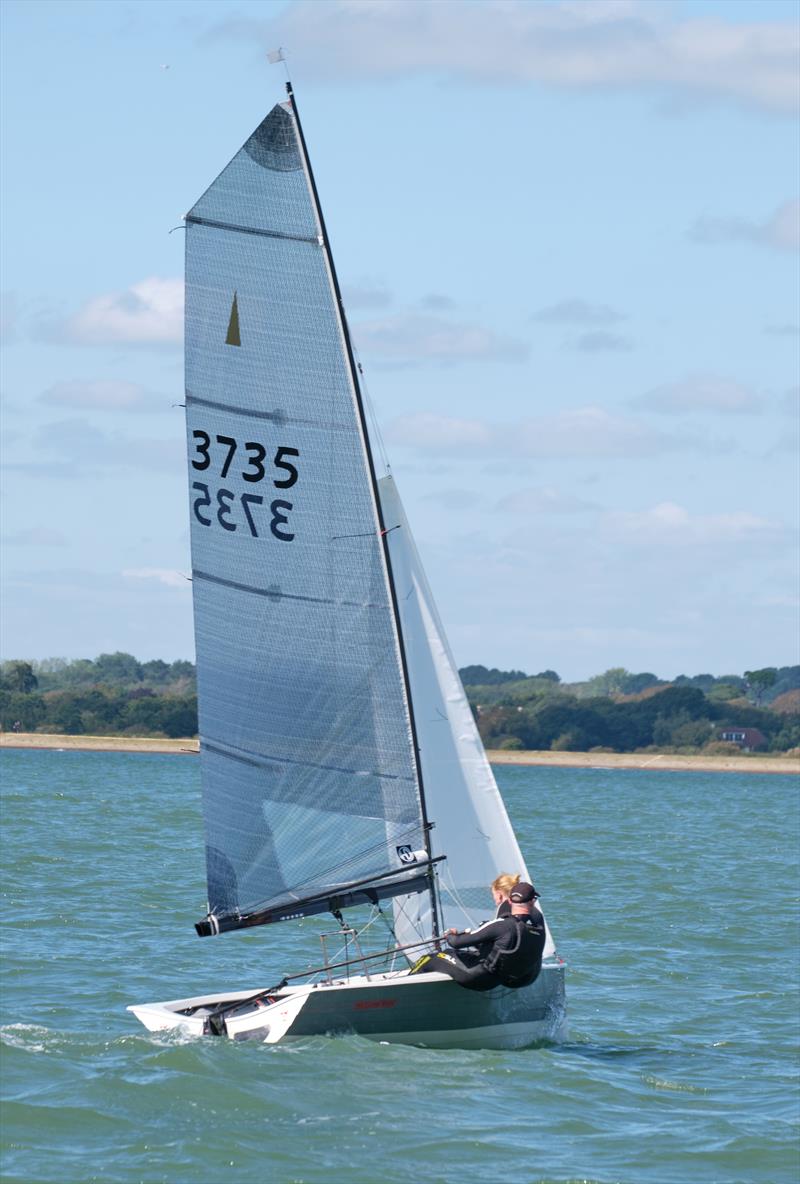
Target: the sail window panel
pixel 263 852
pixel 341 855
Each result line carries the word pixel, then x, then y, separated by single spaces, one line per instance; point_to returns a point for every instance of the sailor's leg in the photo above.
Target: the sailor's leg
pixel 474 978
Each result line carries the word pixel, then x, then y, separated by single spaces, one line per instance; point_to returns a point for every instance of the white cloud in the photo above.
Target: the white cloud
pixel 436 302
pixel 669 524
pixel 441 433
pixel 545 500
pixel 781 231
pixel 783 228
pixel 787 444
pixel 601 342
pixel 594 432
pixel 594 318
pixel 790 402
pixel 91 449
pixel 588 635
pixel 36 536
pixel 577 44
pixel 779 601
pixel 79 612
pixel 161 575
pixel 701 392
pixel 413 338
pixel 109 395
pixel 9 317
pixel 366 294
pixel 150 312
pixel 787 329
pixel 578 312
pixel 585 431
pixel 454 499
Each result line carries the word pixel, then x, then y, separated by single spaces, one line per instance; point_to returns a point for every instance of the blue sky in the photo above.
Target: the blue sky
pixel 568 237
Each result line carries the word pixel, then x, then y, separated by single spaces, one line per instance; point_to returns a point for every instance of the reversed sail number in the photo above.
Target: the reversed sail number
pixel 224 511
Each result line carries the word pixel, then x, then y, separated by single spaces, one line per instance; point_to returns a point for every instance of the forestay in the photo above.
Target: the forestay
pixel 308 766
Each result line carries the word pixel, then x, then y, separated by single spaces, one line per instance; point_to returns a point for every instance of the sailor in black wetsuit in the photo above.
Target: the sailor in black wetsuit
pixel 504 952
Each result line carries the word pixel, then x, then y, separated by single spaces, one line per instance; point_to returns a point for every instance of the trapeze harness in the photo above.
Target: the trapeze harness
pixel 509 954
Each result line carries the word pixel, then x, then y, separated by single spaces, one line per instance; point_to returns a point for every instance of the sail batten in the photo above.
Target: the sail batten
pixel 217 225
pixel 279 417
pixel 266 761
pixel 275 593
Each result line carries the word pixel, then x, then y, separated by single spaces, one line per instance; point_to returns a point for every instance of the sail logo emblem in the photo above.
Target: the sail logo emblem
pixel 233 336
pixel 406 854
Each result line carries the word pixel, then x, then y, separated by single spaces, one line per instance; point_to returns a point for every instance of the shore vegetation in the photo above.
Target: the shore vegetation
pixel 616 711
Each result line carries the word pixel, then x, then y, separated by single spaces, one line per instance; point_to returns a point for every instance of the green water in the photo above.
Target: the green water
pixel 672 896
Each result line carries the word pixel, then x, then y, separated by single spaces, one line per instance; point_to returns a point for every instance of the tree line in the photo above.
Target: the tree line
pixel 112 695
pixel 761 686
pixel 620 711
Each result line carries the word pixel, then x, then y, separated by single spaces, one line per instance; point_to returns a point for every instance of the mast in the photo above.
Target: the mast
pixel 345 331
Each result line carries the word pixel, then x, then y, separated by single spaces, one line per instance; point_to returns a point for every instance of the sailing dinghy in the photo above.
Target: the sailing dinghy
pixel 341 765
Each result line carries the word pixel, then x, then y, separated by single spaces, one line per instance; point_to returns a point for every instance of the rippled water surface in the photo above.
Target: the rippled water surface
pixel 673 898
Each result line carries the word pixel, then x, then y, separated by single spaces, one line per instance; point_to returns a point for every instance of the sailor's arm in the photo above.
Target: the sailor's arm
pixel 476 937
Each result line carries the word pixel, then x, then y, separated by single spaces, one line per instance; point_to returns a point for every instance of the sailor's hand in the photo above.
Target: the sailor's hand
pixel 450 931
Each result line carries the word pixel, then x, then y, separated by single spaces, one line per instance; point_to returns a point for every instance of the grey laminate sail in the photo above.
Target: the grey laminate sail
pixel 308 765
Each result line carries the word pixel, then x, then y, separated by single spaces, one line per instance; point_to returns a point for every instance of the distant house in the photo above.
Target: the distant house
pixel 748 739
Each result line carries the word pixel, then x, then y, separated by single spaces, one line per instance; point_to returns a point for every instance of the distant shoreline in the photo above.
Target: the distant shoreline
pixel 650 760
pixel 574 760
pixel 97 743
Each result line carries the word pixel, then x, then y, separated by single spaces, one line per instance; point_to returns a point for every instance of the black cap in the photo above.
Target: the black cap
pixel 523 893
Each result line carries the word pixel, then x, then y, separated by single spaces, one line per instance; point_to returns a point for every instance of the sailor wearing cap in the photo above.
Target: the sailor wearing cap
pixel 504 952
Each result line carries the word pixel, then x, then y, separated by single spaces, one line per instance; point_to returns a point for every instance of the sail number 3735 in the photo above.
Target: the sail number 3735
pixel 254 464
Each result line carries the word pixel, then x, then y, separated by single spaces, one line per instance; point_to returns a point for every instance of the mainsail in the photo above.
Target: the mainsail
pixel 311 785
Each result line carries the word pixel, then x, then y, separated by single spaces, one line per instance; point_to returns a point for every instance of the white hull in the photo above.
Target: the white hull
pixel 424 1009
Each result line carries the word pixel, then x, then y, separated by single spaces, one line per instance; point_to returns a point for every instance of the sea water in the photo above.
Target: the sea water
pixel 672 897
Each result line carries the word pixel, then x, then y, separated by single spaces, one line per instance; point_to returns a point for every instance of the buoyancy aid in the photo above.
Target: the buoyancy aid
pixel 518 965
